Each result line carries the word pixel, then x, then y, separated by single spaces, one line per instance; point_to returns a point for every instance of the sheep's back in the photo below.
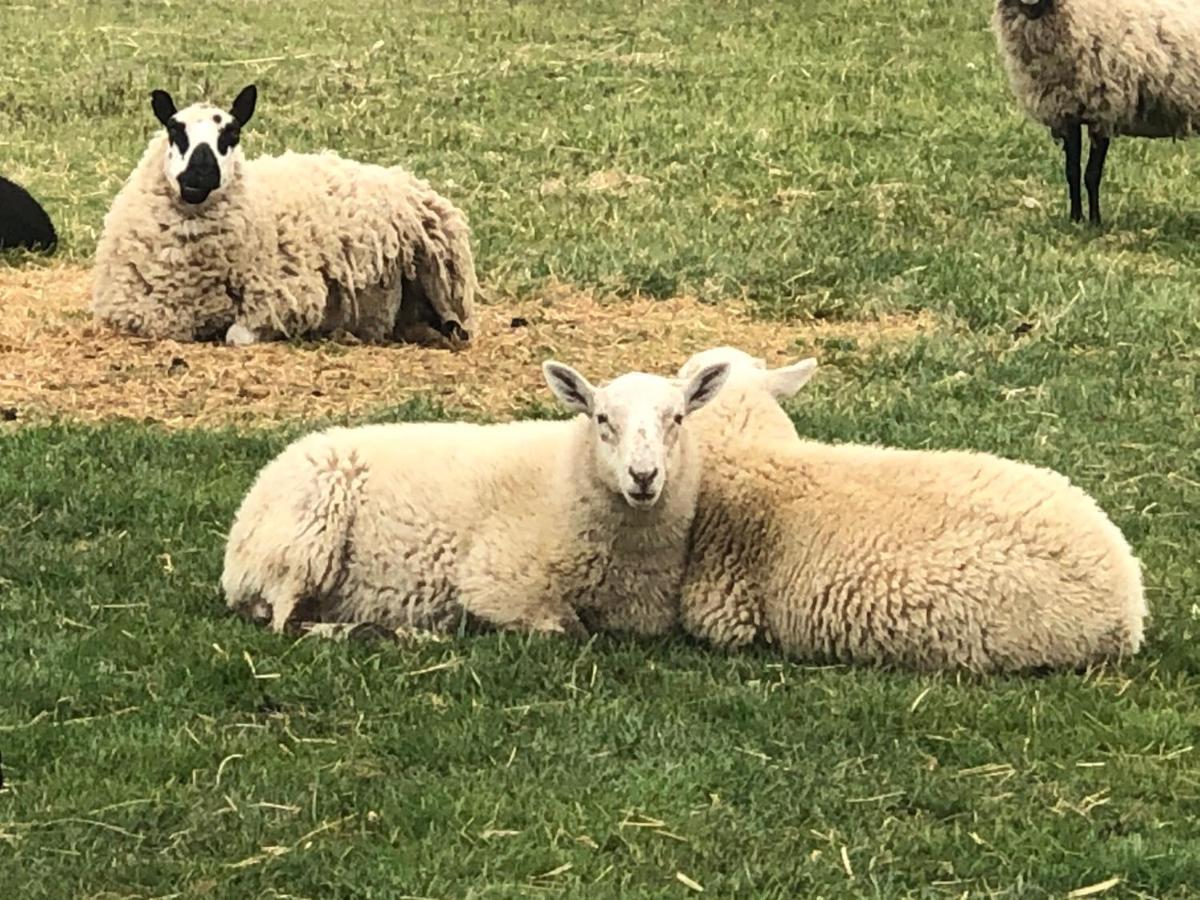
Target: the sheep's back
pixel 1121 66
pixel 945 559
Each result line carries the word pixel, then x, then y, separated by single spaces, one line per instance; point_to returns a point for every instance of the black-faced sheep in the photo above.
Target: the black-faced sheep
pixel 201 244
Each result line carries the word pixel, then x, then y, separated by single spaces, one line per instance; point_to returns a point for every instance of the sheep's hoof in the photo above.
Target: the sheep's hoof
pixel 239 336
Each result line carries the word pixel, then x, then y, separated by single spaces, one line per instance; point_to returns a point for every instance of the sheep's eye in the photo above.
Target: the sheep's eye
pixel 601 419
pixel 678 418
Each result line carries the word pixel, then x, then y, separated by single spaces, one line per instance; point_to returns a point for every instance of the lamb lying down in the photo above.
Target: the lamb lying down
pixel 527 525
pixel 925 559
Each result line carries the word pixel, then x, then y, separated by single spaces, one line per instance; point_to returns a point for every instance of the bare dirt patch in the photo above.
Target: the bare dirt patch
pixel 56 363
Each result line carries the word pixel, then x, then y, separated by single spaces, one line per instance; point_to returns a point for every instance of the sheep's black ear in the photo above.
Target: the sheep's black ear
pixel 243 104
pixel 163 105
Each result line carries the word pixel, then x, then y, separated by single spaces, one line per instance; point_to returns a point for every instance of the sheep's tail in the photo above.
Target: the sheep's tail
pixel 24 224
pixel 289 549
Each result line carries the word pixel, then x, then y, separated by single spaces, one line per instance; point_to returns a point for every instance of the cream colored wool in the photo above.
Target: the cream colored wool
pixel 516 525
pixel 923 559
pixel 298 244
pixel 1122 67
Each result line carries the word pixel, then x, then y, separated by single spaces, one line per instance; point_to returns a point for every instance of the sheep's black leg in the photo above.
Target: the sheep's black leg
pixel 1093 175
pixel 1073 149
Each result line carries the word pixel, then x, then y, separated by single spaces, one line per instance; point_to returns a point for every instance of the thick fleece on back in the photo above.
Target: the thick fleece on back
pixel 1127 67
pixel 300 244
pixel 924 559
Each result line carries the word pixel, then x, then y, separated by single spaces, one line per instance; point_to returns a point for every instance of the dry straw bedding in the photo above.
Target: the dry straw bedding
pixel 55 363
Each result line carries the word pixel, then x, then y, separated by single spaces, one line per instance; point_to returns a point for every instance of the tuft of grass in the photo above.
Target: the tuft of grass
pixel 153 744
pixel 865 157
pixel 832 162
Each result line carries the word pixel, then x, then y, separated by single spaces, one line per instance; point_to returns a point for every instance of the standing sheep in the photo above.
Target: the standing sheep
pixel 524 525
pixel 201 244
pixel 926 559
pixel 1120 67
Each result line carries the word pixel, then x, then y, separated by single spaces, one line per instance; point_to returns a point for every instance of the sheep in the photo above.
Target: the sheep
pixel 546 526
pixel 23 222
pixel 1120 67
pixel 923 559
pixel 201 244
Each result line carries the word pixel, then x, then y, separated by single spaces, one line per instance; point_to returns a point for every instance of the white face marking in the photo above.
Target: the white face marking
pixel 637 420
pixel 194 173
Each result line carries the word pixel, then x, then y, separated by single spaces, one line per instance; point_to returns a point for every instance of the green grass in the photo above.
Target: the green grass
pixel 825 159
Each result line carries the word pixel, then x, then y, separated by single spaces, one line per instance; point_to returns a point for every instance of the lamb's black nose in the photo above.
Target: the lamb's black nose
pixel 643 479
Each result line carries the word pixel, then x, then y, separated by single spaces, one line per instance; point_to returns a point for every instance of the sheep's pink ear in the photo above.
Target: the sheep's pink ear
pixel 786 380
pixel 243 104
pixel 704 386
pixel 571 388
pixel 163 105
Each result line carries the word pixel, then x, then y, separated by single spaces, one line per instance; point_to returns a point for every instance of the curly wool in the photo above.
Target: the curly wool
pixel 925 559
pixel 420 524
pixel 299 244
pixel 1122 67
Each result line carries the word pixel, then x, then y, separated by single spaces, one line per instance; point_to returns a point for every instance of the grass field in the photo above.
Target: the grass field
pixel 836 161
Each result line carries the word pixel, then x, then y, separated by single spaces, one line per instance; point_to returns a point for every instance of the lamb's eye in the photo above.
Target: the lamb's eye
pixel 678 418
pixel 601 419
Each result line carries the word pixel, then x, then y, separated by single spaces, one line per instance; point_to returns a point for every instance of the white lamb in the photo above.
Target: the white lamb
pixel 200 244
pixel 523 525
pixel 927 559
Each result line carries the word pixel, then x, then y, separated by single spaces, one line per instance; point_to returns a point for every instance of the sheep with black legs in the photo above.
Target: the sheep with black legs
pixel 202 244
pixel 1116 67
pixel 563 526
pixel 918 558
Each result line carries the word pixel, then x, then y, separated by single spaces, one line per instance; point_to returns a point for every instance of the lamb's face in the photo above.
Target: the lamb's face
pixel 203 157
pixel 637 421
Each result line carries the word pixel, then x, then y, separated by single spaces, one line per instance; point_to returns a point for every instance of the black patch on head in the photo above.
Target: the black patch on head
pixel 229 136
pixel 177 135
pixel 243 104
pixel 163 105
pixel 201 177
